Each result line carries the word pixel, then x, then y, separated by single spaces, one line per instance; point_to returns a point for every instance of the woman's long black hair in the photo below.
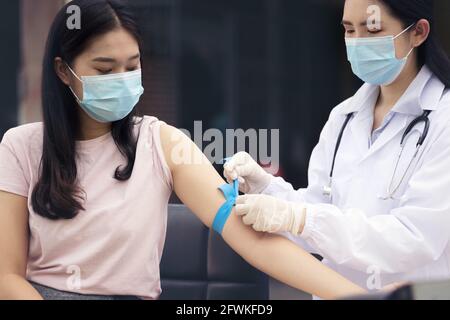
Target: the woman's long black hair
pixel 57 194
pixel 431 53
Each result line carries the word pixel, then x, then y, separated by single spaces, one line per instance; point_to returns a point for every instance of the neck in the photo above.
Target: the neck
pixel 91 129
pixel 389 95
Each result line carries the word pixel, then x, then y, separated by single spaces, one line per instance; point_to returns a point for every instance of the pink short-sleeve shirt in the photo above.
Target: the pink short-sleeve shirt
pixel 115 245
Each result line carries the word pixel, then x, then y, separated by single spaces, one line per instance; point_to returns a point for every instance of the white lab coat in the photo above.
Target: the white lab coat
pixel 370 241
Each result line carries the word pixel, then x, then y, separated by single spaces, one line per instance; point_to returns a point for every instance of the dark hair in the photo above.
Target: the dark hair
pixel 430 53
pixel 57 194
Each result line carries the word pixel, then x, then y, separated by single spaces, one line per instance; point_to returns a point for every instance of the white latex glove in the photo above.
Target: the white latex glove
pixel 269 214
pixel 251 176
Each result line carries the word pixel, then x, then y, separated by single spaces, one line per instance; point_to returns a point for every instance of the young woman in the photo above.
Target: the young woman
pixel 383 213
pixel 84 197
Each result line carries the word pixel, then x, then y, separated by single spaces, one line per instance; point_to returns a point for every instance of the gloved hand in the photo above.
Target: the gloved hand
pixel 269 214
pixel 251 176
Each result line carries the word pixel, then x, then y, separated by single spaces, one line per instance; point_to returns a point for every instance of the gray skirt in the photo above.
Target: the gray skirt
pixel 52 294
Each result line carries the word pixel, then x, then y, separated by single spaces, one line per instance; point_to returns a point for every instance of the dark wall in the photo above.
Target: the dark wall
pixel 258 64
pixel 9 62
pixel 251 64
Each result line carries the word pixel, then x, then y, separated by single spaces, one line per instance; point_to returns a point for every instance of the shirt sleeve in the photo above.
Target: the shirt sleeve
pixel 408 237
pixel 12 177
pixel 155 128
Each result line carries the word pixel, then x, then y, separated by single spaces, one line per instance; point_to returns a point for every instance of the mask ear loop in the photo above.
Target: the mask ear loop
pixel 76 97
pixel 405 30
pixel 410 51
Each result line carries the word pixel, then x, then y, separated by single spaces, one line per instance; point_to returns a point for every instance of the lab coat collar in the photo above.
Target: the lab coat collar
pixel 424 93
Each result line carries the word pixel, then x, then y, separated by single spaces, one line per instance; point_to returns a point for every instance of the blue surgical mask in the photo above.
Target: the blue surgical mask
pixel 110 98
pixel 374 60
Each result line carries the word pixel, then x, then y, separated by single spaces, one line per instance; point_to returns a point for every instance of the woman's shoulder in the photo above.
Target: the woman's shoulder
pixel 341 108
pixel 23 136
pixel 339 113
pixel 445 100
pixel 21 145
pixel 147 123
pixel 441 112
pixel 441 116
pixel 154 126
pixel 354 102
pixel 167 139
pixel 154 135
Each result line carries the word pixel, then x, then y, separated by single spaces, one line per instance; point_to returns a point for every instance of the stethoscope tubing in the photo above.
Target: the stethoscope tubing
pixel 422 118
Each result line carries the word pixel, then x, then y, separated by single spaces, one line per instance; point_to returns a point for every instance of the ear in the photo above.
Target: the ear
pixel 62 71
pixel 421 32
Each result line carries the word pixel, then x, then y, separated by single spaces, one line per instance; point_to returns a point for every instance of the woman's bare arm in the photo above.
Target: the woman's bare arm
pixel 196 184
pixel 14 249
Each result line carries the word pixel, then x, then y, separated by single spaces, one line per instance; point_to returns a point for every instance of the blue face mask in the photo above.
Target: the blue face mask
pixel 374 59
pixel 110 98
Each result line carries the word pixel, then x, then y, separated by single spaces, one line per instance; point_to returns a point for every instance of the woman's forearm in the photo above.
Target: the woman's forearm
pixel 15 287
pixel 286 262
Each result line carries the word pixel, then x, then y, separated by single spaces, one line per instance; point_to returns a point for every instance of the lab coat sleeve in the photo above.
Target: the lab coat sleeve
pixel 319 166
pixel 410 236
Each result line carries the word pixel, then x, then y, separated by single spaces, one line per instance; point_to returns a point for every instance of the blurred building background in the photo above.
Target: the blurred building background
pixel 230 63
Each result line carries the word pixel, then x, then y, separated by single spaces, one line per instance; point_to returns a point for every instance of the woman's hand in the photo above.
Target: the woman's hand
pixel 269 214
pixel 252 177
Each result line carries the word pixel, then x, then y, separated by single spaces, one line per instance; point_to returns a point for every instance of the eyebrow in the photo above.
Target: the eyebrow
pixel 348 23
pixel 111 60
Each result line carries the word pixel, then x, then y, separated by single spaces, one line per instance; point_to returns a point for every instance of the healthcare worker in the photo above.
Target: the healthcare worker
pixel 377 206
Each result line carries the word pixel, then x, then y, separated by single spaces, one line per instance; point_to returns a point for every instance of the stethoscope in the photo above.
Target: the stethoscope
pixel 391 190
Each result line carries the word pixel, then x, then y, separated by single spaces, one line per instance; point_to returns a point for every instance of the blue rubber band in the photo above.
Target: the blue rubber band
pixel 230 192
